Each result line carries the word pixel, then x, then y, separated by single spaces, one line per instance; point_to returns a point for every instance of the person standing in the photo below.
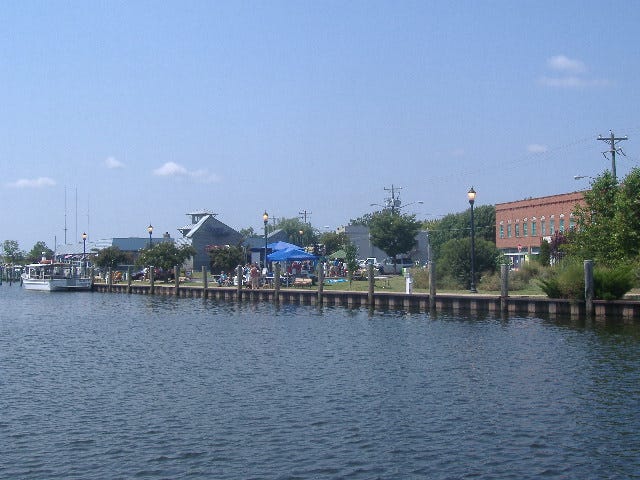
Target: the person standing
pixel 254 276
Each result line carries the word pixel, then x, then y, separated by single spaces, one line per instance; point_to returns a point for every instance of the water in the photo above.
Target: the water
pixel 126 386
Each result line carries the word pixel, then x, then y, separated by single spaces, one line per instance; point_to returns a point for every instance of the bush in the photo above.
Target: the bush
pixel 420 278
pixel 566 281
pixel 612 283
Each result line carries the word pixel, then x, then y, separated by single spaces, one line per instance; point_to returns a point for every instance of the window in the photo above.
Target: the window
pixel 501 230
pixel 562 225
pixel 533 228
pixel 552 226
pixel 509 231
pixel 517 229
pixel 572 223
pixel 525 229
pixel 543 228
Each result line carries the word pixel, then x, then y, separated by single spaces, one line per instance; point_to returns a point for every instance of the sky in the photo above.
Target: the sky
pixel 116 115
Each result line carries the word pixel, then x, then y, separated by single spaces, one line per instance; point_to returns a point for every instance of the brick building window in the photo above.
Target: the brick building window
pixel 517 229
pixel 509 231
pixel 562 225
pixel 552 226
pixel 543 228
pixel 501 231
pixel 525 229
pixel 533 228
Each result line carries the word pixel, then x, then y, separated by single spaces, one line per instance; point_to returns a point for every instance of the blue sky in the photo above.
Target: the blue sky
pixel 144 111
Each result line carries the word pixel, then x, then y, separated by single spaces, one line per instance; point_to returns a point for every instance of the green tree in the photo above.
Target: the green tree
pixel 350 259
pixel 249 232
pixel 393 233
pixel 458 225
pixel 334 241
pixel 11 252
pixel 225 259
pixel 165 255
pixel 111 257
pixel 298 232
pixel 39 250
pixel 608 224
pixel 544 257
pixel 455 260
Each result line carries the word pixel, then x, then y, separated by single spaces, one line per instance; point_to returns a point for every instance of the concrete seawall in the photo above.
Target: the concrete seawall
pixel 627 310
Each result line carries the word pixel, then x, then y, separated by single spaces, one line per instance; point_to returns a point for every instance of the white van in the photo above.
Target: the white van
pixel 390 265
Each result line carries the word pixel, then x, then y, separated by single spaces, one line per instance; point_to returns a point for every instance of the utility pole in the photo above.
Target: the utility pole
pixel 303 215
pixel 394 201
pixel 612 140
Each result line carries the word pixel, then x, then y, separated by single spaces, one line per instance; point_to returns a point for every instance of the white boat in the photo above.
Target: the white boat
pixel 49 277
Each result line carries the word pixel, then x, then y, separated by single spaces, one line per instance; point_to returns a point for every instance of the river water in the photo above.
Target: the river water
pixel 127 386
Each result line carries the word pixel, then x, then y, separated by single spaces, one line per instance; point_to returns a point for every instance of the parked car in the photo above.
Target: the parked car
pixel 395 265
pixel 369 261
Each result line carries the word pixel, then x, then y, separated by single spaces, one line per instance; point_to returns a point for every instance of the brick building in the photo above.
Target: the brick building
pixel 521 225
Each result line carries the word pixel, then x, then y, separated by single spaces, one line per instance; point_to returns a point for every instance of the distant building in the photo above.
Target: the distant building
pixel 359 236
pixel 204 232
pixel 522 225
pixel 130 245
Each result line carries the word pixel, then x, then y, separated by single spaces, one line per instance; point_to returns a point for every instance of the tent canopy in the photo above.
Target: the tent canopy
pixel 290 254
pixel 277 246
pixel 339 254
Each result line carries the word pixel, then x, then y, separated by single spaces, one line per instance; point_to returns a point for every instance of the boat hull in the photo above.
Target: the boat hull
pixel 56 284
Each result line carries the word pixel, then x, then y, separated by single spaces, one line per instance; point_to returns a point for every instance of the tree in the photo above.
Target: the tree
pixel 609 222
pixel 39 250
pixel 334 241
pixel 455 259
pixel 248 232
pixel 165 255
pixel 225 259
pixel 350 258
pixel 11 251
pixel 556 246
pixel 293 226
pixel 458 225
pixel 393 233
pixel 111 257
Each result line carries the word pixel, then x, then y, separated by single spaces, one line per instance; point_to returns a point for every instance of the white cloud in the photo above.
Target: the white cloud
pixel 562 63
pixel 536 148
pixel 32 183
pixel 570 74
pixel 172 169
pixel 112 162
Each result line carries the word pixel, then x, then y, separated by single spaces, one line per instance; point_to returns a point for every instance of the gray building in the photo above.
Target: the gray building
pixel 206 231
pixel 359 236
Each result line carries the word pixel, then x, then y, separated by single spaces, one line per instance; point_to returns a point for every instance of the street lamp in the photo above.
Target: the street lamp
pixel 84 251
pixel 150 230
pixel 471 195
pixel 265 219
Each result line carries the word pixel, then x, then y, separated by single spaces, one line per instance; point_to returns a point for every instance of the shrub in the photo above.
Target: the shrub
pixel 420 277
pixel 612 283
pixel 566 281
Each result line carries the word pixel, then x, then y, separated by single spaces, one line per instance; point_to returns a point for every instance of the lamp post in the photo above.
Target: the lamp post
pixel 150 230
pixel 265 219
pixel 84 252
pixel 471 195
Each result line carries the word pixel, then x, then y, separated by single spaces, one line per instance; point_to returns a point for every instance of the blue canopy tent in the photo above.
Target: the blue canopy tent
pixel 277 246
pixel 290 254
